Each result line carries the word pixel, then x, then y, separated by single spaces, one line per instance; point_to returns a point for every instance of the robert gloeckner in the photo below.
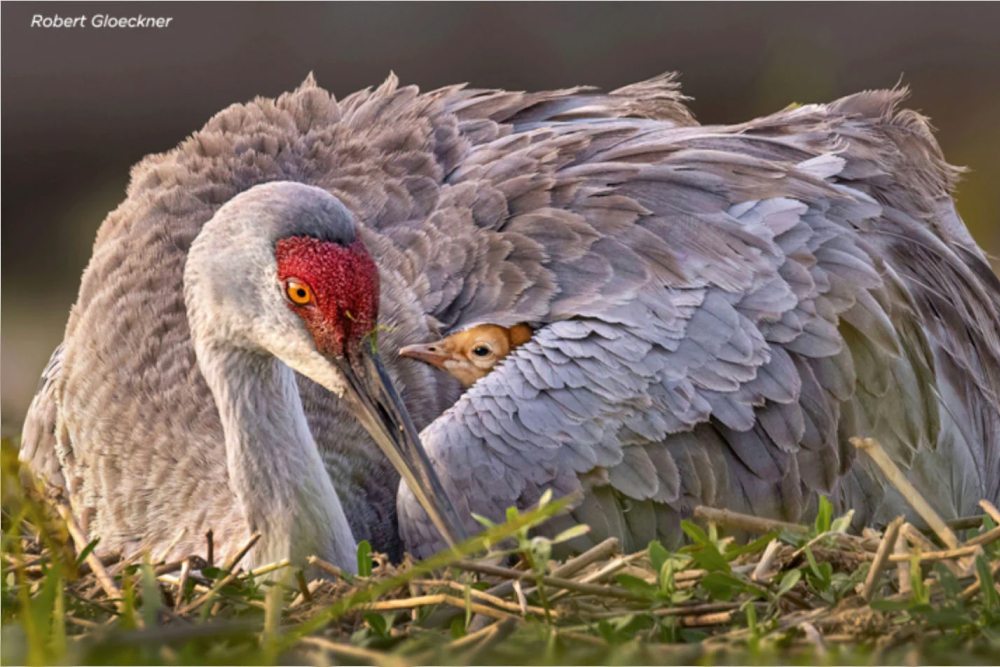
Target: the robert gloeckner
pixel 99 21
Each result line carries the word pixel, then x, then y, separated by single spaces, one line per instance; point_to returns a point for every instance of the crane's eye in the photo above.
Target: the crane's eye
pixel 298 292
pixel 481 350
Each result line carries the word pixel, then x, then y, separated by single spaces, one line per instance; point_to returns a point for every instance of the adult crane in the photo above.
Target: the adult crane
pixel 717 309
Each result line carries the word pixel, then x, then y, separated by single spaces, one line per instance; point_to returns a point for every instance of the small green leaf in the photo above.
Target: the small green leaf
pixel 486 523
pixel 788 581
pixel 991 599
pixel 608 632
pixel 751 612
pixel 127 614
pixel 946 618
pixel 86 551
pixel 696 534
pixel 657 555
pixel 841 524
pixel 545 499
pixel 666 576
pixel 821 572
pixel 571 533
pixel 43 604
pixel 949 582
pixel 823 516
pixel 512 514
pixel 457 627
pixel 889 605
pixel 719 586
pixel 467 597
pixel 151 599
pixel 364 559
pixel 378 624
pixel 920 594
pixel 637 585
pixel 709 558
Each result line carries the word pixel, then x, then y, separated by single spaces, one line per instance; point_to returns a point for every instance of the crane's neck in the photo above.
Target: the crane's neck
pixel 274 466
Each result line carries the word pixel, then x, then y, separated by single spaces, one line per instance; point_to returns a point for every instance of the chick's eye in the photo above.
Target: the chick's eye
pixel 298 292
pixel 481 350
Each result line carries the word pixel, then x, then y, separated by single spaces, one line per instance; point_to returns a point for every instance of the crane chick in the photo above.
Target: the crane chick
pixel 470 354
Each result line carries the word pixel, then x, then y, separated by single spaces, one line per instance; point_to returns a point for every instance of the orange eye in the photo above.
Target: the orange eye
pixel 298 292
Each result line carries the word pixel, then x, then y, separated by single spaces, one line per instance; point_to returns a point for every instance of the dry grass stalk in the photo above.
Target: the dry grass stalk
pixel 555 582
pixel 971 591
pixel 501 631
pixel 210 547
pixel 473 637
pixel 816 639
pixel 97 567
pixel 265 569
pixel 718 618
pixel 440 598
pixel 82 622
pixel 521 600
pixel 364 655
pixel 602 573
pixel 596 553
pixel 909 492
pixel 986 538
pixel 921 543
pixel 927 556
pixel 329 568
pixel 228 579
pixel 691 610
pixel 486 597
pixel 244 550
pixel 605 549
pixel 170 547
pixel 209 594
pixel 991 510
pixel 902 568
pixel 881 558
pixel 169 568
pixel 746 522
pixel 764 564
pixel 182 582
pixel 300 599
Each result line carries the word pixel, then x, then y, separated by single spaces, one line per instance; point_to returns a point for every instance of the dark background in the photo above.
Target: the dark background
pixel 80 106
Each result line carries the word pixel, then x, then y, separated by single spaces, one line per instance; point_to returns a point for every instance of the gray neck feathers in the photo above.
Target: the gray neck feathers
pixel 275 470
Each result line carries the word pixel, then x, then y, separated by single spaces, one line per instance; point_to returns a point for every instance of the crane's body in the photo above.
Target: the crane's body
pixel 717 309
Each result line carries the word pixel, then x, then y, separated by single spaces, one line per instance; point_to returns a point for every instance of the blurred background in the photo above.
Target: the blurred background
pixel 80 106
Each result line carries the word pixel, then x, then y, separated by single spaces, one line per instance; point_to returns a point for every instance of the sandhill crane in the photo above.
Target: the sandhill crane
pixel 470 354
pixel 716 310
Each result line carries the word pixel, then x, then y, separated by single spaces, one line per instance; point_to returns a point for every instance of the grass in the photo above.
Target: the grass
pixel 784 594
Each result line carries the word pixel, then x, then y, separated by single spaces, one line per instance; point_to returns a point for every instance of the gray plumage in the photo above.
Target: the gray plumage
pixel 719 308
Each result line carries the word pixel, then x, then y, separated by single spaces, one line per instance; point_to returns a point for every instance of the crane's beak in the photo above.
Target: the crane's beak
pixel 431 353
pixel 382 413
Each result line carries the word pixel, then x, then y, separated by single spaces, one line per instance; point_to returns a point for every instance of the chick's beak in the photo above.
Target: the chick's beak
pixel 431 353
pixel 381 411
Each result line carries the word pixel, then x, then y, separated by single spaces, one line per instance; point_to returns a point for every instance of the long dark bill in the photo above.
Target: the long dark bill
pixel 384 416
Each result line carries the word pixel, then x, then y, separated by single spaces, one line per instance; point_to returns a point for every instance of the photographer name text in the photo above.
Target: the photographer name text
pixel 100 21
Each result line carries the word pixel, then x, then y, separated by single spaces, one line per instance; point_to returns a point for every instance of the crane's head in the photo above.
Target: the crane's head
pixel 281 271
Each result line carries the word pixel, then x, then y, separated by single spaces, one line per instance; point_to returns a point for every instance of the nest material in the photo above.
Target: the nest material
pixel 814 589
